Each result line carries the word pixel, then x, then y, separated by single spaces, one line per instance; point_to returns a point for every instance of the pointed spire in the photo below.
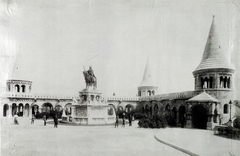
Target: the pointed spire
pixel 213 56
pixel 148 78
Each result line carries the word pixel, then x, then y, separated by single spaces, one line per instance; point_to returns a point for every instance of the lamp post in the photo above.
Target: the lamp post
pixel 230 104
pixel 230 118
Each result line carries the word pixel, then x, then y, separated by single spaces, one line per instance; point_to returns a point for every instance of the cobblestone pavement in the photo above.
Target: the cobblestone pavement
pixel 38 140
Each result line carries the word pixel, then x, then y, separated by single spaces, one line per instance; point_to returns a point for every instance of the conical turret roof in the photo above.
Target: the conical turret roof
pixel 148 77
pixel 213 56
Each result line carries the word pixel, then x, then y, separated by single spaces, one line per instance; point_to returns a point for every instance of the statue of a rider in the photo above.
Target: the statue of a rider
pixel 90 78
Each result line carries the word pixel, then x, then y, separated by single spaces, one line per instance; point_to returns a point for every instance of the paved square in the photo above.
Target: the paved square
pixel 38 140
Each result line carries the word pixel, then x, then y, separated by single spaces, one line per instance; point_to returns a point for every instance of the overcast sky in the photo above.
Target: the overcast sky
pixel 49 42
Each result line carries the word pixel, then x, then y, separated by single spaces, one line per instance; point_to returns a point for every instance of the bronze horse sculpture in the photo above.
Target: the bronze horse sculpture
pixel 90 79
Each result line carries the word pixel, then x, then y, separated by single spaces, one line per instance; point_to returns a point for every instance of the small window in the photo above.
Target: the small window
pixel 225 109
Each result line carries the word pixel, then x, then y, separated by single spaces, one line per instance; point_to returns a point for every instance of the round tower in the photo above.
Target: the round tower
pixel 148 85
pixel 215 71
pixel 19 86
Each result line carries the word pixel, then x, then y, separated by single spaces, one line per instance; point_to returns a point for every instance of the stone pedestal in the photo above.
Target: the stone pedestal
pixel 90 109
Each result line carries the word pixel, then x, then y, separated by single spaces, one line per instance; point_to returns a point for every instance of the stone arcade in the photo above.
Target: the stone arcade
pixel 208 105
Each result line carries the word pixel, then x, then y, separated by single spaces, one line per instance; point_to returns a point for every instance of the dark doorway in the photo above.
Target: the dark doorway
pixel 199 117
pixel 5 110
pixel 182 116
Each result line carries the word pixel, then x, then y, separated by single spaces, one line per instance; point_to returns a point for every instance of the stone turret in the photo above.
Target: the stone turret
pixel 215 72
pixel 148 85
pixel 215 69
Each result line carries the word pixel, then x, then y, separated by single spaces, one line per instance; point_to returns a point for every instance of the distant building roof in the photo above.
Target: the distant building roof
pixel 213 56
pixel 203 97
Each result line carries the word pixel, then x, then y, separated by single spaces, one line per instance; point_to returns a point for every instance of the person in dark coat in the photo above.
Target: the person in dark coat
pixel 116 123
pixel 123 122
pixel 130 120
pixel 55 121
pixel 45 120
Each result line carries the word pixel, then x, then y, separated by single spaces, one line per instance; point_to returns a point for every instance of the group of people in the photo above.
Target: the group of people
pixel 55 119
pixel 123 121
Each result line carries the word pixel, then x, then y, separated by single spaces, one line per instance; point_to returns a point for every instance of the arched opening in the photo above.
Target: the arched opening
pixel 225 82
pixel 167 108
pixel 23 88
pixel 111 109
pixel 225 109
pixel 14 108
pixel 47 107
pixel 182 115
pixel 129 108
pixel 149 93
pixel 206 82
pixel 68 109
pixel 221 82
pixel 153 92
pixel 228 82
pixel 174 113
pixel 20 109
pixel 17 88
pixel 5 110
pixel 27 109
pixel 202 82
pixel 211 82
pixel 139 93
pixel 155 109
pixel 92 97
pixel 35 109
pixel 199 117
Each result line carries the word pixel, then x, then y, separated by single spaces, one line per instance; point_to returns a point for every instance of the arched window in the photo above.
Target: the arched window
pixel 153 92
pixel 139 93
pixel 225 109
pixel 221 82
pixel 202 82
pixel 211 82
pixel 228 83
pixel 23 88
pixel 206 82
pixel 149 93
pixel 17 88
pixel 225 82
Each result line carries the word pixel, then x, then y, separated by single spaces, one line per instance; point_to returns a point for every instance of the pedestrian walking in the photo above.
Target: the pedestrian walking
pixel 123 123
pixel 130 120
pixel 32 120
pixel 45 120
pixel 56 121
pixel 116 123
pixel 15 118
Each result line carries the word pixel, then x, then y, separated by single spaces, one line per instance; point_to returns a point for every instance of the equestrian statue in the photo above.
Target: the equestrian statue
pixel 90 78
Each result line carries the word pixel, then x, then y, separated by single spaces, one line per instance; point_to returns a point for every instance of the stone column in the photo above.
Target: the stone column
pixel 30 111
pixel 10 111
pixel 64 113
